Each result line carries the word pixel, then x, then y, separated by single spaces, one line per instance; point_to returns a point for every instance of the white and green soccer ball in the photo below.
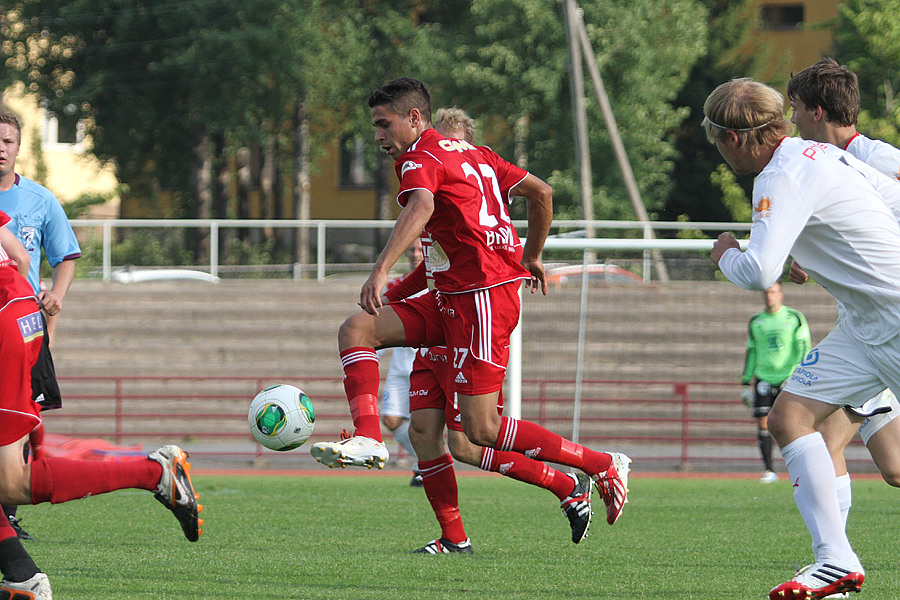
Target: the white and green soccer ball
pixel 281 417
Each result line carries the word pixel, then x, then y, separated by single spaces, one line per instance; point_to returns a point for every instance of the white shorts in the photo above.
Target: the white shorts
pixel 875 422
pixel 843 371
pixel 395 394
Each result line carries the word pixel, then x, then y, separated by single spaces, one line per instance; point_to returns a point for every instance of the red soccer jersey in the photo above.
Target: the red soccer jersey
pixel 12 285
pixel 469 241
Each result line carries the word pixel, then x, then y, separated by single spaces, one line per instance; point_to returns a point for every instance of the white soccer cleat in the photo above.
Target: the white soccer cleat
pixel 357 451
pixel 821 580
pixel 36 588
pixel 613 485
pixel 769 477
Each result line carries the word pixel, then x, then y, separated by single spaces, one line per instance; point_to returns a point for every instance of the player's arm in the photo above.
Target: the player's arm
pixel 15 250
pixel 51 300
pixel 797 274
pixel 749 369
pixel 539 197
pixel 409 225
pixel 775 229
pixel 802 338
pixel 749 360
pixel 413 283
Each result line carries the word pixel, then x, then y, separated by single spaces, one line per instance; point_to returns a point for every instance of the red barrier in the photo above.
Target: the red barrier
pixel 678 423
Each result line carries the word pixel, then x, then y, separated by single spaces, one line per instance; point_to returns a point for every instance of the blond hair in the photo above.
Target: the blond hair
pixel 752 110
pixel 455 123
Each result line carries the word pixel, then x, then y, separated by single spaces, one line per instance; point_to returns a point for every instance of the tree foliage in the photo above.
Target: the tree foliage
pixel 156 79
pixel 699 190
pixel 867 40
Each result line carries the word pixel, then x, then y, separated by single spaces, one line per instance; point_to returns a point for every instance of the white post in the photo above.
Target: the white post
pixel 579 361
pixel 514 370
pixel 214 249
pixel 320 251
pixel 107 251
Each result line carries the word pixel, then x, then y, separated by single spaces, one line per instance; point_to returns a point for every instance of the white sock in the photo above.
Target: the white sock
pixel 844 496
pixel 815 492
pixel 401 434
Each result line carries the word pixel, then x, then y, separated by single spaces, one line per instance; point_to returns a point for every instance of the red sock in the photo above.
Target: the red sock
pixel 361 380
pixel 439 481
pixel 536 442
pixel 62 479
pixel 522 468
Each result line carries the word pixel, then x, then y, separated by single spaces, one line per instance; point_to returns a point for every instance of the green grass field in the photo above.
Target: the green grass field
pixel 336 537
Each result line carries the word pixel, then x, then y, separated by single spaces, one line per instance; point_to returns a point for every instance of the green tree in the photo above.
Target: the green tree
pixel 507 65
pixel 867 40
pixel 730 52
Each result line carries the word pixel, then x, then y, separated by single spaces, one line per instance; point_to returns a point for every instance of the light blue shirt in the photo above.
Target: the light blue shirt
pixel 39 221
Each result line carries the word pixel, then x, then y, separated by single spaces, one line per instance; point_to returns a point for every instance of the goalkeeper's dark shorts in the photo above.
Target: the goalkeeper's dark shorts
pixel 764 394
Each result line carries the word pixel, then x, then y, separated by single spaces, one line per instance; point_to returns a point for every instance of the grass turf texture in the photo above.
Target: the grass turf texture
pixel 347 538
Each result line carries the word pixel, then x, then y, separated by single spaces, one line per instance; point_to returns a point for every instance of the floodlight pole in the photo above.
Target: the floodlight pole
pixel 576 82
pixel 575 21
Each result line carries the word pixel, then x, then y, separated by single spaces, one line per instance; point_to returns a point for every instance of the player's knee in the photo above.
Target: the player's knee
pixel 463 450
pixel 392 422
pixel 480 434
pixel 356 330
pixel 891 477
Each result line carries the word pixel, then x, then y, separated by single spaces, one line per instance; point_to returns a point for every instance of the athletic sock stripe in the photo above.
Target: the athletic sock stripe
pixel 487 459
pixel 357 357
pixel 509 435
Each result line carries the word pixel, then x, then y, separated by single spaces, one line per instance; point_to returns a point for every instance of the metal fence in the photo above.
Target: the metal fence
pixel 328 237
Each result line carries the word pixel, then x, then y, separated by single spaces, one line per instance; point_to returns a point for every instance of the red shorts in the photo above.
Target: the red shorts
pixel 21 334
pixel 474 326
pixel 430 377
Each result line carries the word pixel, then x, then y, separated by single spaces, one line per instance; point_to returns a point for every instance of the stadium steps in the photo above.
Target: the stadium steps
pixel 682 331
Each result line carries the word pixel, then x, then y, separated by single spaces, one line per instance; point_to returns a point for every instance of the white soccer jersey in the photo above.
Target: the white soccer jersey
pixel 876 153
pixel 818 204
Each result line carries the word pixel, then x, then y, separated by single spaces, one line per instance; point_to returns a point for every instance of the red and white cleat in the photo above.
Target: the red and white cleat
pixel 613 485
pixel 820 580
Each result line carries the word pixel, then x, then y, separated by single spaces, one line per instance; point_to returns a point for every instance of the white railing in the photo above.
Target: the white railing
pixel 565 241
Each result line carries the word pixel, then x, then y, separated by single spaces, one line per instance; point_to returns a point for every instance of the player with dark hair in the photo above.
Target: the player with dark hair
pixel 823 207
pixel 825 101
pixel 777 340
pixel 450 189
pixel 433 407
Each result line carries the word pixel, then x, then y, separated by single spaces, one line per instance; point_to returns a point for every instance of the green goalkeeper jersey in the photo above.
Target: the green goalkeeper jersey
pixel 776 344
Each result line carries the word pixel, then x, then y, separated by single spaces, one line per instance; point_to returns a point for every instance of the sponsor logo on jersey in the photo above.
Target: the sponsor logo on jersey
pixel 763 208
pixel 804 377
pixel 455 145
pixel 460 378
pixel 31 326
pixel 811 358
pixel 417 393
pixel 437 259
pixel 409 166
pixel 502 237
pixel 438 357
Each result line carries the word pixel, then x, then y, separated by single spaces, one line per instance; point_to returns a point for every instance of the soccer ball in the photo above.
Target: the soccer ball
pixel 281 417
